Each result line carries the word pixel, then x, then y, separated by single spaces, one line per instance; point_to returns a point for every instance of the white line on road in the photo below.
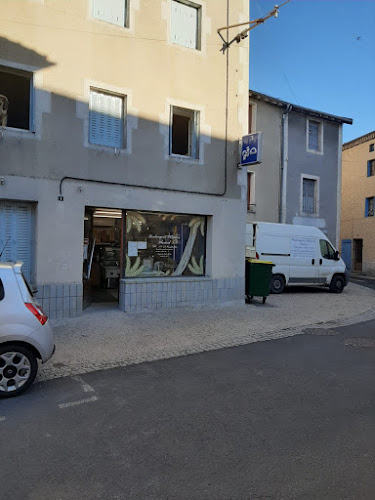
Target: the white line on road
pixel 80 402
pixel 2 419
pixel 86 387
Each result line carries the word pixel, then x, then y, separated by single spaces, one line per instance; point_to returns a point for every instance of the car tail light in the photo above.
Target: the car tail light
pixel 38 313
pixel 257 255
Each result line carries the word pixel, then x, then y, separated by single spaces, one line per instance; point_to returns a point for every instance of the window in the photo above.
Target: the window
pixel 185 24
pixel 327 250
pixel 17 87
pixel 309 196
pixel 164 244
pixel 184 132
pixel 370 168
pixel 110 11
pixel 371 148
pixel 106 119
pixel 369 207
pixel 250 192
pixel 314 136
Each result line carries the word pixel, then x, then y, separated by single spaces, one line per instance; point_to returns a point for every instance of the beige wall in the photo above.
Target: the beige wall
pixel 68 51
pixel 138 62
pixel 267 118
pixel 356 187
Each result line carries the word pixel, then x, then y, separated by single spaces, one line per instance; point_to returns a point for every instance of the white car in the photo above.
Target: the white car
pixel 25 332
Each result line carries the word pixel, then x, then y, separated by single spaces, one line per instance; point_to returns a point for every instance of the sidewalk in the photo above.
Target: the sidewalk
pixel 105 337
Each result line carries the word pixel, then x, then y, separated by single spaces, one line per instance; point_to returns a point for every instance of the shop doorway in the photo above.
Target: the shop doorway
pixel 101 255
pixel 358 249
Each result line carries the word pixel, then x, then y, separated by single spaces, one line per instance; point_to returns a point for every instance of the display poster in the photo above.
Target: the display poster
pixel 132 248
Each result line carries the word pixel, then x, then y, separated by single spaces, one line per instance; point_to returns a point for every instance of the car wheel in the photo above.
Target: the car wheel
pixel 18 369
pixel 337 284
pixel 277 283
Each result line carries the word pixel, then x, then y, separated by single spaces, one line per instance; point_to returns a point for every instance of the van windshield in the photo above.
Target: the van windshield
pixel 327 250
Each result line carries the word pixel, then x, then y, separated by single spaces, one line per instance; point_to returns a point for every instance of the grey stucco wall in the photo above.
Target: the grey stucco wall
pixel 324 166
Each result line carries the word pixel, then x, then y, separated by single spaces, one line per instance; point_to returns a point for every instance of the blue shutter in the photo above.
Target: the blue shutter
pixel 106 119
pixel 17 228
pixel 366 207
pixel 368 168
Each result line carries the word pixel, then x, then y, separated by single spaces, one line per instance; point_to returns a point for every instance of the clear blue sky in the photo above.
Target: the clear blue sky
pixel 319 54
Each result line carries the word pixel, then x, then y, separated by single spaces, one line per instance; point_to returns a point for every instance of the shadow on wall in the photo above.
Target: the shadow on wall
pixel 100 138
pixel 19 54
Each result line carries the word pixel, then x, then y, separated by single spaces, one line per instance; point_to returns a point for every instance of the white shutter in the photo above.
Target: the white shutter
pixel 17 225
pixel 184 25
pixel 111 11
pixel 106 119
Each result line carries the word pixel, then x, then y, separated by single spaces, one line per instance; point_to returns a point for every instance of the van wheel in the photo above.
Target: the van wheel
pixel 337 284
pixel 18 369
pixel 277 283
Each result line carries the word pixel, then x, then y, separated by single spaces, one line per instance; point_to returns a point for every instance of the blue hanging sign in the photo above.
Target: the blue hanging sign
pixel 252 146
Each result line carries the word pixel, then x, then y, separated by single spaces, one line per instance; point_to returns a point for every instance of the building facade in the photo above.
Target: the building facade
pixel 357 209
pixel 118 174
pixel 299 178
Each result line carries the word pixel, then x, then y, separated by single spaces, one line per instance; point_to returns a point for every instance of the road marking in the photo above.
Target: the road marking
pixel 86 387
pixel 80 402
pixel 2 419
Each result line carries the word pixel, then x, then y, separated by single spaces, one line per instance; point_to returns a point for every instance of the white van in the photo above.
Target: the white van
pixel 302 255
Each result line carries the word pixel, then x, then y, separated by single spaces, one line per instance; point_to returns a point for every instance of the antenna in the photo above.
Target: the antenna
pixel 2 251
pixel 252 24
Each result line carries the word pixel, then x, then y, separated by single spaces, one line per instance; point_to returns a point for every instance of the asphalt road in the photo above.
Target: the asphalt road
pixel 286 419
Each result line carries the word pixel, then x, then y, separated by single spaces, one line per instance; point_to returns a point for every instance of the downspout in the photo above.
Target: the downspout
pixel 284 163
pixel 339 180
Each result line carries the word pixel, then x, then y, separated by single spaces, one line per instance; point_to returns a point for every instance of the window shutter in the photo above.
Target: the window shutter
pixel 106 119
pixel 111 11
pixel 368 168
pixel 184 25
pixel 366 207
pixel 16 223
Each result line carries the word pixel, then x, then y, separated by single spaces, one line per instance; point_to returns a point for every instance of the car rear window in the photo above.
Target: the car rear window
pixel 27 285
pixel 1 290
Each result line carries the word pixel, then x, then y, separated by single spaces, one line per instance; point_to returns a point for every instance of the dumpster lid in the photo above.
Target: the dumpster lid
pixel 260 261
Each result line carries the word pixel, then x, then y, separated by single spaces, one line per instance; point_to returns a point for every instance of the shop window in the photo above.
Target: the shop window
pixel 164 245
pixel 17 87
pixel 184 132
pixel 113 11
pixel 106 119
pixel 185 24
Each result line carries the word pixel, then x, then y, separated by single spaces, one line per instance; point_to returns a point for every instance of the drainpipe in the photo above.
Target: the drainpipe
pixel 284 163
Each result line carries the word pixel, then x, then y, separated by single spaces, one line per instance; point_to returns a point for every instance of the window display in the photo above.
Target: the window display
pixel 162 244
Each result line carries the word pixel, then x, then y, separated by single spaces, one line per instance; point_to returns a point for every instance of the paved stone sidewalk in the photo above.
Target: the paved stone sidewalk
pixel 105 337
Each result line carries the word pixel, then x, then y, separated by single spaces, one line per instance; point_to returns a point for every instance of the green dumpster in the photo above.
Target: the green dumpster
pixel 258 275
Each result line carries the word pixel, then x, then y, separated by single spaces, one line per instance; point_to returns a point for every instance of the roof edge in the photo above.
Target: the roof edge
pixel 359 140
pixel 299 109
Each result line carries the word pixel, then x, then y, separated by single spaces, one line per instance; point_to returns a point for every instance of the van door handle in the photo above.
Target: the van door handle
pixel 313 262
pixel 320 261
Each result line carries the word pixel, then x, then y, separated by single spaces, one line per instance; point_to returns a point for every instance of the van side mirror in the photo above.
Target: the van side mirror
pixel 337 255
